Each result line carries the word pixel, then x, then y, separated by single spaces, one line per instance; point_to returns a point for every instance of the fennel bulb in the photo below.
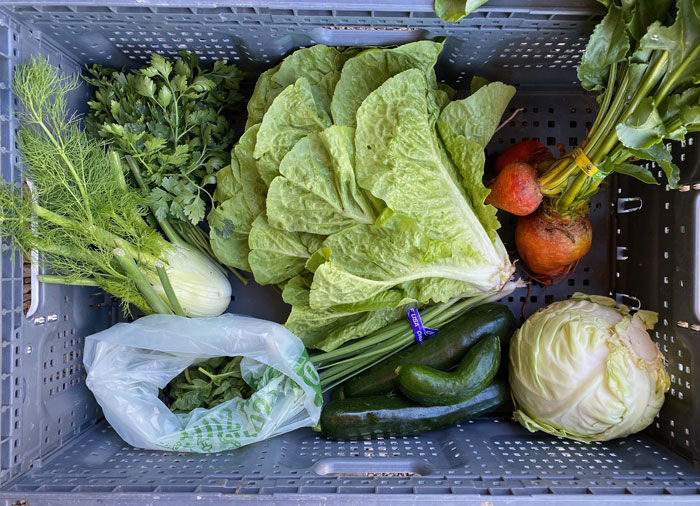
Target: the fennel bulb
pixel 199 285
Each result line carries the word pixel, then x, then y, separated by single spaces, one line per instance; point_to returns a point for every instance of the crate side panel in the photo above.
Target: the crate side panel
pixel 44 399
pixel 529 43
pixel 657 268
pixel 485 456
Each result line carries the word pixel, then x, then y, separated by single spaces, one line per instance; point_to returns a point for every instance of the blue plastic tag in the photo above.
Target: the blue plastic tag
pixel 419 330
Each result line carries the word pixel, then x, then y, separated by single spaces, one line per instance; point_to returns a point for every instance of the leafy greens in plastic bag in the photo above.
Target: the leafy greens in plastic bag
pixel 128 363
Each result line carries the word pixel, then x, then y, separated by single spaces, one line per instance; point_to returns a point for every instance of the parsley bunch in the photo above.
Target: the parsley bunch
pixel 171 120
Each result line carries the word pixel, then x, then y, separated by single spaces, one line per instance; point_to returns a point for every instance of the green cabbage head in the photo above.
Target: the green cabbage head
pixel 586 370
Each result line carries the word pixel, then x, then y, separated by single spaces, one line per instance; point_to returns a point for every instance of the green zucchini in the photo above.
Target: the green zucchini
pixel 382 416
pixel 428 386
pixel 442 351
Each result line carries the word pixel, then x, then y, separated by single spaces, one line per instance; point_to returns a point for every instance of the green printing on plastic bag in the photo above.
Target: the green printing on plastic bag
pixel 221 424
pixel 308 373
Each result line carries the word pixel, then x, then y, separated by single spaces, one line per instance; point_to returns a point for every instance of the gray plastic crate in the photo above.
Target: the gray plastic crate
pixel 54 446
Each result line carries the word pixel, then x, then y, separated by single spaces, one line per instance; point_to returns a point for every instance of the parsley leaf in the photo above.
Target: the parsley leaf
pixel 172 117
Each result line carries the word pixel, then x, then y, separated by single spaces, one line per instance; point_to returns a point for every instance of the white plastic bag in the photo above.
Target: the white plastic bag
pixel 129 362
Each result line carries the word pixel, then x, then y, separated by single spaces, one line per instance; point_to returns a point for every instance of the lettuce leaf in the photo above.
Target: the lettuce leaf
pixel 244 169
pixel 275 255
pixel 329 328
pixel 367 71
pixel 398 161
pixel 435 247
pixel 264 93
pixel 291 117
pixel 316 191
pixel 398 263
pixel 241 196
pixel 320 65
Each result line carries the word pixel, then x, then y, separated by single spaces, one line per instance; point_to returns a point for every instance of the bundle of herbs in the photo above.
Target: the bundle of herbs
pixel 172 123
pixel 85 220
pixel 348 361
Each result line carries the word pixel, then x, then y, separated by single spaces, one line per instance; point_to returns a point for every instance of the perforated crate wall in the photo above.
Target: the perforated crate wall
pixel 43 397
pixel 520 43
pixel 659 269
pixel 486 460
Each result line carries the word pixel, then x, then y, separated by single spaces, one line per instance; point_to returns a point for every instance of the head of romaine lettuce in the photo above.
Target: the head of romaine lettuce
pixel 586 370
pixel 357 189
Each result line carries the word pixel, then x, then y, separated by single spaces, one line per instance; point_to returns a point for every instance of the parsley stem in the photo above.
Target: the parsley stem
pixel 164 225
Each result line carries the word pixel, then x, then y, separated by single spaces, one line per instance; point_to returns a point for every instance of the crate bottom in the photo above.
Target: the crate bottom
pixel 484 457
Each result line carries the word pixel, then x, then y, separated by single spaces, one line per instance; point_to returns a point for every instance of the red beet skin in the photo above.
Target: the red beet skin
pixel 531 152
pixel 516 190
pixel 549 242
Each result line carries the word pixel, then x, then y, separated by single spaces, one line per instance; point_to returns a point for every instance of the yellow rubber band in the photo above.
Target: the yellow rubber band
pixel 583 162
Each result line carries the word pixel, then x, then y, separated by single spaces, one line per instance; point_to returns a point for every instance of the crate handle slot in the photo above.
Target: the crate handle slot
pixel 33 273
pixel 628 204
pixel 629 300
pixel 366 35
pixel 362 466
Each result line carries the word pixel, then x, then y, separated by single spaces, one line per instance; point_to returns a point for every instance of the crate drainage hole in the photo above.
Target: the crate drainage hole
pixel 372 467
